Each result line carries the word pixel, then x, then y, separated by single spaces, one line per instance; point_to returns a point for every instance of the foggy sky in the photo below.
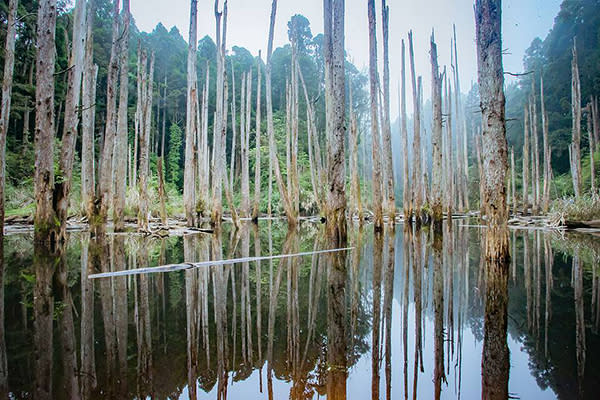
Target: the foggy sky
pixel 248 24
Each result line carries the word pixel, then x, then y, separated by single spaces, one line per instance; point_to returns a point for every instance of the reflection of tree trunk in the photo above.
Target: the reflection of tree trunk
pixel 438 309
pixel 406 249
pixel 3 360
pixel 527 277
pixel 274 291
pixel 203 296
pixel 579 321
pixel 495 359
pixel 417 283
pixel 336 320
pixel 375 351
pixel 144 341
pixel 246 306
pixel 66 331
pixel 258 279
pixel 120 307
pixel 388 295
pixel 101 256
pixel 88 363
pixel 43 312
pixel 220 310
pixel 548 262
pixel 191 308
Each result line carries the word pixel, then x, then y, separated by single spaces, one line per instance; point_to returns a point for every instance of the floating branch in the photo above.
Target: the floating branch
pixel 183 266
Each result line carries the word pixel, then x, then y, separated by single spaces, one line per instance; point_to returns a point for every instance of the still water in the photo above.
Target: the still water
pixel 404 318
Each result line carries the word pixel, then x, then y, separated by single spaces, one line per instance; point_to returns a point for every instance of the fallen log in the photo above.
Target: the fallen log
pixel 184 266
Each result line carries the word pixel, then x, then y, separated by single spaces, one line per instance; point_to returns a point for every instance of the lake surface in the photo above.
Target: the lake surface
pixel 403 319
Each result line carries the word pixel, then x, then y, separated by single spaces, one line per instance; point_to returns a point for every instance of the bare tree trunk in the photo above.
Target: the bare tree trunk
pixel 406 198
pixel 7 81
pixel 436 137
pixel 481 174
pixel 491 81
pixel 574 148
pixel 292 219
pixel 120 159
pixel 257 170
pixel 204 153
pixel 387 129
pixel 547 151
pixel 335 93
pixel 536 151
pixel 449 156
pixel 244 147
pixel 512 176
pixel 592 147
pixel 356 198
pixel 526 160
pixel 88 116
pixel 146 82
pixel 46 230
pixel 27 112
pixel 106 173
pixel 234 123
pixel 161 191
pixel 189 180
pixel 596 116
pixel 417 167
pixel 376 146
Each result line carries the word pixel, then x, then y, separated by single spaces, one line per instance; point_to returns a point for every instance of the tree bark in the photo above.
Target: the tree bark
pixel 526 160
pixel 436 137
pixel 491 89
pixel 257 170
pixel 387 129
pixel 7 81
pixel 189 180
pixel 120 157
pixel 106 173
pixel 448 154
pixel 376 143
pixel 547 151
pixel 406 198
pixel 88 116
pixel 574 148
pixel 417 186
pixel 535 152
pixel 45 227
pixel 336 122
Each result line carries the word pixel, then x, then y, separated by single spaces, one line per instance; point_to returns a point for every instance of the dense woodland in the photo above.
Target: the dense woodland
pixel 186 104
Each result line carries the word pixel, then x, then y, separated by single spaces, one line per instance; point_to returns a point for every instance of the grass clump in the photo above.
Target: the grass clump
pixel 585 208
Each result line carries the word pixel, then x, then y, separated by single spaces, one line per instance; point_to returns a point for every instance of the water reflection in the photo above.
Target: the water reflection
pixel 409 313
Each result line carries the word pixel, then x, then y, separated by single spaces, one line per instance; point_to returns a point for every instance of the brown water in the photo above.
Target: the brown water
pixel 400 321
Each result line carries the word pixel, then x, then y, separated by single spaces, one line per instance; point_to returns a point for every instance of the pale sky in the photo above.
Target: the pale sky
pixel 248 25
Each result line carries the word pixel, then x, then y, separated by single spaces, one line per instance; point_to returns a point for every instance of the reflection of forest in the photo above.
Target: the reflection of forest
pixel 298 319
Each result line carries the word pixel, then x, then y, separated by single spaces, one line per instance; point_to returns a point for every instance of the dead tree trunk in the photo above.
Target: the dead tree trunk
pixel 204 177
pixel 244 146
pixel 436 137
pixel 46 230
pixel 513 184
pixel 234 124
pixel 406 198
pixel 122 125
pixel 491 89
pixel 547 151
pixel 355 181
pixel 292 219
pixel 417 186
pixel 387 130
pixel 525 160
pixel 88 116
pixel 257 170
pixel 376 142
pixel 146 82
pixel 7 81
pixel 62 188
pixel 336 120
pixel 189 180
pixel 574 148
pixel 592 147
pixel 106 173
pixel 448 153
pixel 536 151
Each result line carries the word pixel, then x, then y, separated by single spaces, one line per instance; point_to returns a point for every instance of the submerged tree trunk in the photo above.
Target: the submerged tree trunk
pixel 376 143
pixel 436 137
pixel 574 148
pixel 547 151
pixel 417 186
pixel 336 120
pixel 406 198
pixel 189 180
pixel 88 116
pixel 491 81
pixel 387 130
pixel 7 81
pixel 122 125
pixel 45 227
pixel 257 170
pixel 106 173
